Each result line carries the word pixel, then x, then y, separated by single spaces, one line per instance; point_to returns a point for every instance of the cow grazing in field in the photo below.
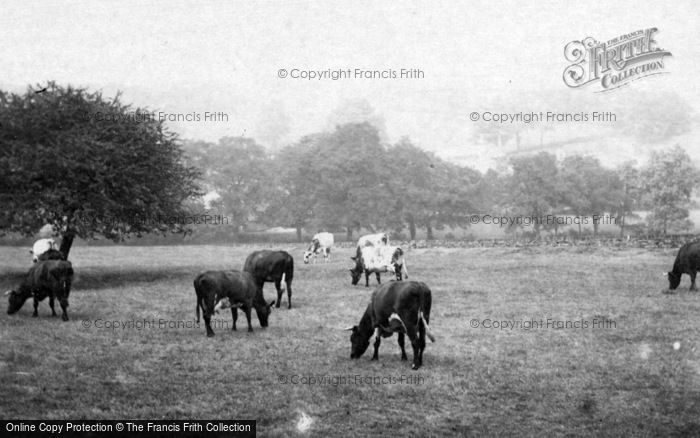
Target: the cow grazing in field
pixel 687 262
pixel 273 266
pixel 401 307
pixel 378 239
pixel 217 290
pixel 40 247
pixel 52 254
pixel 50 278
pixel 378 259
pixel 320 244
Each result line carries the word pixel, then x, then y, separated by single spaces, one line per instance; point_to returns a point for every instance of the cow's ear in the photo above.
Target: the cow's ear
pixel 272 303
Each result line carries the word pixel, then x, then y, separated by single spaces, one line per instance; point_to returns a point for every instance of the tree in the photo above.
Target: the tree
pixel 668 183
pixel 534 188
pixel 239 171
pixel 629 195
pixel 589 189
pixel 89 166
pixel 431 192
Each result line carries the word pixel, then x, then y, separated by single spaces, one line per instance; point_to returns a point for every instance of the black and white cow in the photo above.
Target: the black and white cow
pixel 217 290
pixel 378 259
pixel 272 266
pixel 40 247
pixel 396 307
pixel 49 278
pixel 320 244
pixel 687 262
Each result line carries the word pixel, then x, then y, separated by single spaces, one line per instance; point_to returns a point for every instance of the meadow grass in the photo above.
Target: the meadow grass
pixel 622 377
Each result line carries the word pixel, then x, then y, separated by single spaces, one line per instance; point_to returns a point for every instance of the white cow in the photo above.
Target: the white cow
pixel 378 239
pixel 40 247
pixel 379 259
pixel 321 243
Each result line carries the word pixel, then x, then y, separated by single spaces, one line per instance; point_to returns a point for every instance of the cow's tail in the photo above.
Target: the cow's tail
pixel 424 304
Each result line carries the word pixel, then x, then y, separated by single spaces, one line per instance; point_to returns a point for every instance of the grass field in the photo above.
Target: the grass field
pixel 624 377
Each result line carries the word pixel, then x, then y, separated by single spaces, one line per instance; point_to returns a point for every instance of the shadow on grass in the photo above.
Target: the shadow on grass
pixel 101 278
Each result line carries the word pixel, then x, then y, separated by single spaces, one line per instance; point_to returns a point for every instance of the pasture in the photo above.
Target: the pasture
pixel 614 380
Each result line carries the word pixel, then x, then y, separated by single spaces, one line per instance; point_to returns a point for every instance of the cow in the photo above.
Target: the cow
pixel 217 290
pixel 321 243
pixel 687 262
pixel 49 278
pixel 40 247
pixel 401 307
pixel 52 254
pixel 274 266
pixel 378 239
pixel 378 259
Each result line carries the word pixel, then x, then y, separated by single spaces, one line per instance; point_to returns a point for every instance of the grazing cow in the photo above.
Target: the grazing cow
pixel 376 260
pixel 275 266
pixel 378 239
pixel 321 243
pixel 50 278
pixel 52 254
pixel 401 307
pixel 218 290
pixel 40 247
pixel 687 262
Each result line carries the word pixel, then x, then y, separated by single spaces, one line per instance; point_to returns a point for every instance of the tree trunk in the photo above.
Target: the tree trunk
pixel 622 226
pixel 348 234
pixel 429 230
pixel 66 243
pixel 412 227
pixel 299 237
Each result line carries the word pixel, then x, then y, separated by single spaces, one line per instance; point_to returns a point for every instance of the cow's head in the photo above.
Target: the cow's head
pixel 359 343
pixel 263 310
pixel 355 274
pixel 16 299
pixel 307 256
pixel 673 280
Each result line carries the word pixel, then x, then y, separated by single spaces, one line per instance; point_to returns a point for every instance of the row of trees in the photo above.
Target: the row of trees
pixel 348 180
pixel 94 166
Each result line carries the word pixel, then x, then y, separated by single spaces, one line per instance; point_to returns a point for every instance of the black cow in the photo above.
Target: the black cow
pixel 687 262
pixel 272 266
pixel 51 254
pixel 402 307
pixel 49 278
pixel 221 289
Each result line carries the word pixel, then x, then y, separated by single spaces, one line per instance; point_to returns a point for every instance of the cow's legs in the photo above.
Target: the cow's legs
pixel 366 279
pixel 234 316
pixel 207 324
pixel 64 308
pixel 288 282
pixel 36 307
pixel 246 310
pixel 418 343
pixel 692 281
pixel 51 303
pixel 402 344
pixel 379 281
pixel 377 341
pixel 278 286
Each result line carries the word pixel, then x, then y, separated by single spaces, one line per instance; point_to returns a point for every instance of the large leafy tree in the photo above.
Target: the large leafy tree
pixel 88 165
pixel 534 187
pixel 669 180
pixel 589 189
pixel 239 171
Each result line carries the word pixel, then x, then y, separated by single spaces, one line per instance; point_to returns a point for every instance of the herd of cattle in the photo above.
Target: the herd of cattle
pixel 401 307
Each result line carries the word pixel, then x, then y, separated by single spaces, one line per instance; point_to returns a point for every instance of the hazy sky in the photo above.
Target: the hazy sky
pixel 224 56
